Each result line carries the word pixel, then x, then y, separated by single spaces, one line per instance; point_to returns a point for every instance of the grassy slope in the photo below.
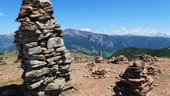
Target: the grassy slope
pixel 9 57
pixel 131 51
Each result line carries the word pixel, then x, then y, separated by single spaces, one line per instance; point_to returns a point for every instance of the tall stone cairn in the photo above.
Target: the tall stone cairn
pixel 44 58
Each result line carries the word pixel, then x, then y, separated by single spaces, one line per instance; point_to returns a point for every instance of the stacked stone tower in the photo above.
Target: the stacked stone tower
pixel 44 58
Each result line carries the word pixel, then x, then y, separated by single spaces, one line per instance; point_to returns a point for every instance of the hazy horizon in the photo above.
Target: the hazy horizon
pixel 12 33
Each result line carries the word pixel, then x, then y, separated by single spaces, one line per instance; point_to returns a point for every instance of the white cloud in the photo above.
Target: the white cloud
pixel 140 31
pixel 86 29
pixel 1 14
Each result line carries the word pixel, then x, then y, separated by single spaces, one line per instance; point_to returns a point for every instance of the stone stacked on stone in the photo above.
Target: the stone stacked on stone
pixel 149 63
pixel 99 73
pixel 133 82
pixel 99 58
pixel 44 58
pixel 146 58
pixel 119 60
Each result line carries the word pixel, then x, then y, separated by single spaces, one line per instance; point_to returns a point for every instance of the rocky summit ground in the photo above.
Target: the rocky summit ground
pixel 87 84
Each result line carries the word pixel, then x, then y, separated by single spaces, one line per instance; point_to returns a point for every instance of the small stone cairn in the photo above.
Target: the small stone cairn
pixel 119 60
pixel 44 58
pixel 134 81
pixel 99 58
pixel 149 63
pixel 146 58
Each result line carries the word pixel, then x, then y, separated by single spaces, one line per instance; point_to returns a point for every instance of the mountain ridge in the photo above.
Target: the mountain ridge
pixel 112 43
pixel 91 43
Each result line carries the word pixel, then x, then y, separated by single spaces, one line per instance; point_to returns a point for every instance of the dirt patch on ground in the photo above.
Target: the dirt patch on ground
pixel 85 83
pixel 10 72
pixel 163 80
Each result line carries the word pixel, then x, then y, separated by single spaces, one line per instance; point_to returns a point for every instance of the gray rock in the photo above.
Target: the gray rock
pixel 41 93
pixel 53 63
pixel 28 33
pixel 55 42
pixel 38 31
pixel 34 50
pixel 25 27
pixel 67 61
pixel 48 51
pixel 44 18
pixel 41 72
pixel 37 73
pixel 44 49
pixel 24 40
pixel 35 63
pixel 58 25
pixel 64 67
pixel 35 57
pixel 27 66
pixel 47 80
pixel 43 26
pixel 53 54
pixel 46 31
pixel 36 15
pixel 58 54
pixel 58 29
pixel 50 55
pixel 53 60
pixel 57 84
pixel 67 54
pixel 34 85
pixel 51 23
pixel 43 36
pixel 65 75
pixel 30 45
pixel 61 49
pixel 48 9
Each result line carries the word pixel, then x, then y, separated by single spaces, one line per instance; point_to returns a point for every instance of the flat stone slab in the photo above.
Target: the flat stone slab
pixel 34 50
pixel 55 42
pixel 57 84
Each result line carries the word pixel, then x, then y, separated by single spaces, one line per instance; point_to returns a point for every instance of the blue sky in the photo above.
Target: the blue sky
pixel 120 17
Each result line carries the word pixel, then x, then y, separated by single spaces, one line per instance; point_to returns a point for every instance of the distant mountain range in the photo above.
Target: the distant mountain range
pixel 91 43
pixel 6 42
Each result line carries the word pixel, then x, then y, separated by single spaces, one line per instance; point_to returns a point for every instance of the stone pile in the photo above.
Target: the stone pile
pixel 148 62
pixel 119 60
pixel 146 58
pixel 43 55
pixel 133 82
pixel 99 58
pixel 99 73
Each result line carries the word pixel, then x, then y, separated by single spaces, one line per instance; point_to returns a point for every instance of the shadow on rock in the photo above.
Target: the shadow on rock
pixel 11 90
